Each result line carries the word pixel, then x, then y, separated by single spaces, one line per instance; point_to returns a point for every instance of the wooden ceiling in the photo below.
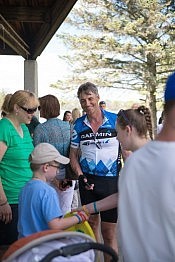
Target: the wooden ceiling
pixel 26 26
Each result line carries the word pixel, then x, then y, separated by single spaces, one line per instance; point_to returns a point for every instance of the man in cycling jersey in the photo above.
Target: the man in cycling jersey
pixel 95 157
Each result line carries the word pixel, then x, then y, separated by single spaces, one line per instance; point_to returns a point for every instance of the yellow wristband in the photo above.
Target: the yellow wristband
pixel 85 210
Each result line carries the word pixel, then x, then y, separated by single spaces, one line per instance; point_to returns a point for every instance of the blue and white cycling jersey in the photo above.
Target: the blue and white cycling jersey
pixel 99 151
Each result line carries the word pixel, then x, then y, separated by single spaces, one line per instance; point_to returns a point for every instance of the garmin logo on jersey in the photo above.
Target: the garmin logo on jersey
pixel 97 135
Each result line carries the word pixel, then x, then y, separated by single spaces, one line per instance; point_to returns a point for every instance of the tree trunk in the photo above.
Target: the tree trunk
pixel 153 108
pixel 151 81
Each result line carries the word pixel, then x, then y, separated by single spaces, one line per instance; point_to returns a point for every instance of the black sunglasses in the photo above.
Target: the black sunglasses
pixel 122 113
pixel 29 110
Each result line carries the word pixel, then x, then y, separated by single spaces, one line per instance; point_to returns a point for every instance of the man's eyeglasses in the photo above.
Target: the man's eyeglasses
pixel 122 113
pixel 29 110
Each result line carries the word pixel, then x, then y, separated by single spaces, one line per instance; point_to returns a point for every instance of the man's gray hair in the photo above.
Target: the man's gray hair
pixel 87 88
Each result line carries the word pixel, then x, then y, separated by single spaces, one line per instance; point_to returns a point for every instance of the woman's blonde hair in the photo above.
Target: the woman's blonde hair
pixel 75 114
pixel 21 98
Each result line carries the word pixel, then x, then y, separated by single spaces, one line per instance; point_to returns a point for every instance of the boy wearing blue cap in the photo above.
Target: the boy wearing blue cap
pixel 147 193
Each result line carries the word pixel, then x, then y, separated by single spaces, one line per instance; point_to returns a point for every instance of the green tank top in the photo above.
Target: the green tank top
pixel 14 167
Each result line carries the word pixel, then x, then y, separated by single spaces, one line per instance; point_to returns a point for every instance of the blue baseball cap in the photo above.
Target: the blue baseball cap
pixel 170 88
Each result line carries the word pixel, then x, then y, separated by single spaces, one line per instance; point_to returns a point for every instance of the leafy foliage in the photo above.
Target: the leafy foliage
pixel 124 44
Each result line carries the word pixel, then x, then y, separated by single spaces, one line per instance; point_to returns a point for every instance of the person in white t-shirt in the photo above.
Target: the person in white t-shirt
pixel 147 192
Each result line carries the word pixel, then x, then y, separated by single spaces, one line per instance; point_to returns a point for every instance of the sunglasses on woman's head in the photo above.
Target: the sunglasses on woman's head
pixel 122 113
pixel 29 110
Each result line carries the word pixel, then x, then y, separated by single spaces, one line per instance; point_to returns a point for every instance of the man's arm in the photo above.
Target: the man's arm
pixel 74 161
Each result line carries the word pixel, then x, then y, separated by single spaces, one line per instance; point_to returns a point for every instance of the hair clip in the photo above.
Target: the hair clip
pixel 141 111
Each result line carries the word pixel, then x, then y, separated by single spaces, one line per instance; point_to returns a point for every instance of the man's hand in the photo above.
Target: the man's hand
pixel 83 180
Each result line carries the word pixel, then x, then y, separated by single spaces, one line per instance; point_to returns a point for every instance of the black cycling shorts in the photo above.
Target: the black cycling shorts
pixel 103 187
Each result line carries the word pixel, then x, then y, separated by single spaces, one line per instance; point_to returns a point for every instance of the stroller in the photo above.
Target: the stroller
pixel 65 246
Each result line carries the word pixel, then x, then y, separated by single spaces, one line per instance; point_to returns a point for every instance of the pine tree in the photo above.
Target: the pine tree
pixel 124 44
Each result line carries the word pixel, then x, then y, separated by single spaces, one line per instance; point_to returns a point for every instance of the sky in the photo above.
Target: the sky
pixel 50 69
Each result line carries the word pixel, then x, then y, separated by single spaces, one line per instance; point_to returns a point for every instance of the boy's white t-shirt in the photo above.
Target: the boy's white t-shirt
pixel 147 204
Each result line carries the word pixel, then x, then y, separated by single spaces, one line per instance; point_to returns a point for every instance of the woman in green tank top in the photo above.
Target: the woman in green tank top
pixel 15 148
